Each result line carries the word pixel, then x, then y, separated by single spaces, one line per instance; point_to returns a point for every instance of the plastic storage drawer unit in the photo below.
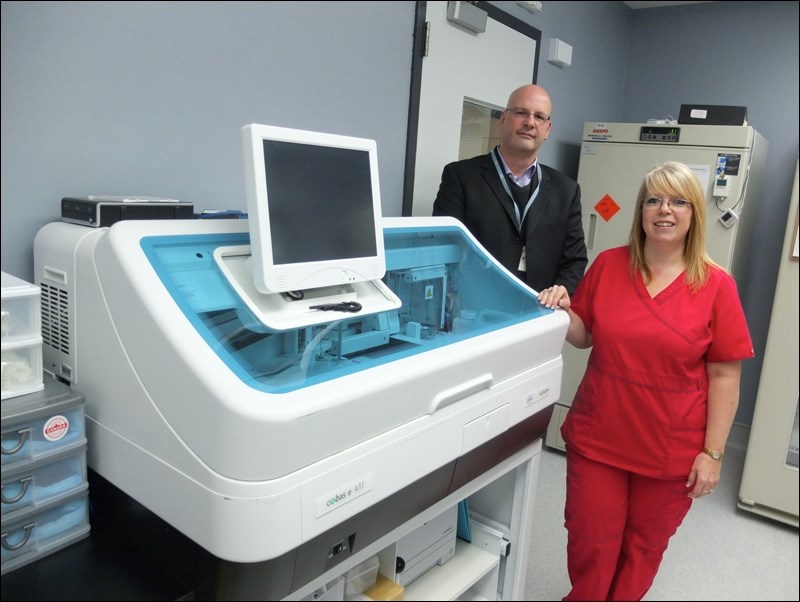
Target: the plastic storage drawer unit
pixel 21 310
pixel 21 368
pixel 31 485
pixel 30 533
pixel 41 424
pixel 21 338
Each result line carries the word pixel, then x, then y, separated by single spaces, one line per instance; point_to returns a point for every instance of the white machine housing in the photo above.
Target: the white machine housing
pixel 250 475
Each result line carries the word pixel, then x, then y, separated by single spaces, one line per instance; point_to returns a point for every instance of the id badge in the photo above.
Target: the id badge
pixel 523 265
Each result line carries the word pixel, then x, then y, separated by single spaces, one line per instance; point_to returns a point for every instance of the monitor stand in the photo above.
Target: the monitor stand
pixel 281 311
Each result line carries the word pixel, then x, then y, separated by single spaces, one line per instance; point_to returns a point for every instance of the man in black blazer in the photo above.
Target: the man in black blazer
pixel 527 215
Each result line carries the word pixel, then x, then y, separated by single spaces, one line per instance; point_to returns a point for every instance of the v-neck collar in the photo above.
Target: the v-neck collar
pixel 671 289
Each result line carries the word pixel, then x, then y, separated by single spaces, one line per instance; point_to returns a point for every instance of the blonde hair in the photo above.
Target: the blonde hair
pixel 676 180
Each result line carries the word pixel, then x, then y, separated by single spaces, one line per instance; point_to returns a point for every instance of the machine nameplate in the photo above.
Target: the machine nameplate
pixel 342 495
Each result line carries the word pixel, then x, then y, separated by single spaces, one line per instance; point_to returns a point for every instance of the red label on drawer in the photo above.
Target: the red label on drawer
pixel 55 428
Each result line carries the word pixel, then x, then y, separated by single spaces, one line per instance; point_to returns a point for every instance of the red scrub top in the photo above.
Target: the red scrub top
pixel 641 405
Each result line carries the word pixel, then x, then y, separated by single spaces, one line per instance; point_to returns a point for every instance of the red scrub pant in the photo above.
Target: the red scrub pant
pixel 618 524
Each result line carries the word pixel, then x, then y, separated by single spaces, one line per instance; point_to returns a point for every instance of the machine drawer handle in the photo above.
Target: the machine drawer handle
pixel 459 392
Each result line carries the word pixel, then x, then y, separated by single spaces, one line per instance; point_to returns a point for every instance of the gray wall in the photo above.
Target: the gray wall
pixel 741 54
pixel 148 97
pixel 593 87
pixel 635 65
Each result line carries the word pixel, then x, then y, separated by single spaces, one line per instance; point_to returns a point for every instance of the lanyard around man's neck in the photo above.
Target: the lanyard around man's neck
pixel 498 166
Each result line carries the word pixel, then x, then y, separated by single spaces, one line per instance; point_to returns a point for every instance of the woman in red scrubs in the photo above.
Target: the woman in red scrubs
pixel 647 429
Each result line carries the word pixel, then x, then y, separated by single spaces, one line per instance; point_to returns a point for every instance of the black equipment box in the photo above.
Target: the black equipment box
pixel 103 211
pixel 712 115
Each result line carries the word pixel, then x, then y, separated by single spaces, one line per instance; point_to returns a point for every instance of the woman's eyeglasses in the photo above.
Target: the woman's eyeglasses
pixel 675 204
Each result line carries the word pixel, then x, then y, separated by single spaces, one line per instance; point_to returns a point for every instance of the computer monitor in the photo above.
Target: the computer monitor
pixel 314 209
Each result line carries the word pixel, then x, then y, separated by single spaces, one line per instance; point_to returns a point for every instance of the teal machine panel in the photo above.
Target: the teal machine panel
pixel 449 292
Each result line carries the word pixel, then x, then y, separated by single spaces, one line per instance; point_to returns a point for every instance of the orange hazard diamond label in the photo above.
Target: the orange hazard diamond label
pixel 606 207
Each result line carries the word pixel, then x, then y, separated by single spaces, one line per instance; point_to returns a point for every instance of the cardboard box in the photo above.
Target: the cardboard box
pixel 385 589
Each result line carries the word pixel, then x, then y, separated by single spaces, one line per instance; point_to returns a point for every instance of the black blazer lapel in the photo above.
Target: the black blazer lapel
pixel 540 204
pixel 492 180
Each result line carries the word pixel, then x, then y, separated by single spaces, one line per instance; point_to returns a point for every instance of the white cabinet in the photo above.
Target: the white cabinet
pixel 502 496
pixel 770 481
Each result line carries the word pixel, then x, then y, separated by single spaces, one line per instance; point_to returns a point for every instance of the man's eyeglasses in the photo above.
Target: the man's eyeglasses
pixel 539 118
pixel 675 204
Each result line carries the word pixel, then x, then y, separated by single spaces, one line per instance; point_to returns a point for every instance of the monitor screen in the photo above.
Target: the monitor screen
pixel 314 209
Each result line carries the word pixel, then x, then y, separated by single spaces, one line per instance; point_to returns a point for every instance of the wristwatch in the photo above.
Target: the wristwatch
pixel 714 453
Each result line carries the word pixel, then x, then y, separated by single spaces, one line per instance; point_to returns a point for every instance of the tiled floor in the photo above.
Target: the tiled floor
pixel 719 552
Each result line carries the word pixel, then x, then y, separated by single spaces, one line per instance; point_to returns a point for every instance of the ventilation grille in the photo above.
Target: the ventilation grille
pixel 55 318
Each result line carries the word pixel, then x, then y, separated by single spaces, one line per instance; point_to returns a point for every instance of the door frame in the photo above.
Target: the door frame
pixel 418 51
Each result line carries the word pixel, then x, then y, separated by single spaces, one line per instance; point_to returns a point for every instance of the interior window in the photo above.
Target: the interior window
pixel 480 129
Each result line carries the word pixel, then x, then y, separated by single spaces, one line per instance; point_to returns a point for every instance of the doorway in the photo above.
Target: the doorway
pixel 460 82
